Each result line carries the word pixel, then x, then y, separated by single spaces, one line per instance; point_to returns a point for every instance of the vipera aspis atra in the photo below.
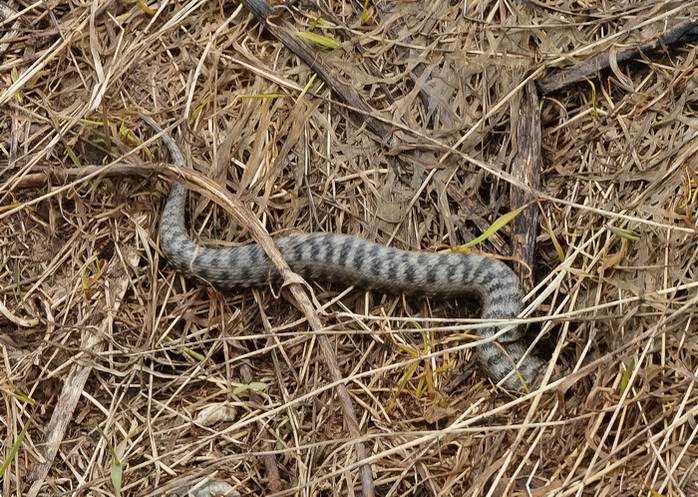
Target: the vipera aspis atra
pixel 354 261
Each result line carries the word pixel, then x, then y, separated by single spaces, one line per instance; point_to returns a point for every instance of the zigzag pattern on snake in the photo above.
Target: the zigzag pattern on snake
pixel 331 257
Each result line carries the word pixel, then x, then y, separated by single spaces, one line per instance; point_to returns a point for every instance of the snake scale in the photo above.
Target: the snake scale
pixel 333 257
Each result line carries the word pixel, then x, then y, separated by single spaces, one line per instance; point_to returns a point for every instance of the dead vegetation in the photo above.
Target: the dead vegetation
pixel 184 383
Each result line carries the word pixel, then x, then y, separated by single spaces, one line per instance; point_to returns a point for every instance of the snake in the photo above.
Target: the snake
pixel 501 354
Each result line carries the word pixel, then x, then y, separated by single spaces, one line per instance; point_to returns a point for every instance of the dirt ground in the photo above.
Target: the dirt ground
pixel 119 376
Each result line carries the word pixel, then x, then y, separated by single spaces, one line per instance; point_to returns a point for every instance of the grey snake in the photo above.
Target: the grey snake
pixel 354 261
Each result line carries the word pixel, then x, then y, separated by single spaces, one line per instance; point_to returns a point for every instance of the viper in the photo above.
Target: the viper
pixel 354 261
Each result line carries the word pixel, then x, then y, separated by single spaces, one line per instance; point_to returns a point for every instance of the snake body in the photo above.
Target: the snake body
pixel 354 261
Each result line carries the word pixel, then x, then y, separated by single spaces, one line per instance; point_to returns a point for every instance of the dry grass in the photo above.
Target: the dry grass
pixel 621 184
